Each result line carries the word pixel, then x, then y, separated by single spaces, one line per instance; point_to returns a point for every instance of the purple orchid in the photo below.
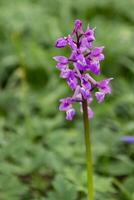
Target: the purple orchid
pixel 84 59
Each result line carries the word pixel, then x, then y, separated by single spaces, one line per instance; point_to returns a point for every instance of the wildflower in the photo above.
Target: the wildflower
pixel 129 139
pixel 84 60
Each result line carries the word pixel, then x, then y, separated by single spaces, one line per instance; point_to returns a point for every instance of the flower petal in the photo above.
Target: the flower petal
pixel 85 92
pixel 99 96
pixel 61 59
pixel 90 113
pixel 65 104
pixel 61 42
pixel 70 114
pixel 77 27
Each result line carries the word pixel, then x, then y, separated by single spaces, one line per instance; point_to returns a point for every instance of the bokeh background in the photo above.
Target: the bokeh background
pixel 42 156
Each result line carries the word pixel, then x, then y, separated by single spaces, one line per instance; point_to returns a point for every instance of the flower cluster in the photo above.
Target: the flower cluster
pixel 84 59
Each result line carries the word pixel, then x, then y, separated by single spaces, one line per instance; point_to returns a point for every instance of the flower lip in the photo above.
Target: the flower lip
pixel 104 85
pixel 99 96
pixel 70 114
pixel 65 104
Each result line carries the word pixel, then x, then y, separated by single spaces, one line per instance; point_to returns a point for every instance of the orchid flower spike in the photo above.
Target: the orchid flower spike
pixel 77 69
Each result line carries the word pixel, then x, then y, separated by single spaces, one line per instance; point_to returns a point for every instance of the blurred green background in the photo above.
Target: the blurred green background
pixel 42 156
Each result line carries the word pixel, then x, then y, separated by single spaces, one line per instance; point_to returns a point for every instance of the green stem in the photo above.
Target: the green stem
pixel 88 151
